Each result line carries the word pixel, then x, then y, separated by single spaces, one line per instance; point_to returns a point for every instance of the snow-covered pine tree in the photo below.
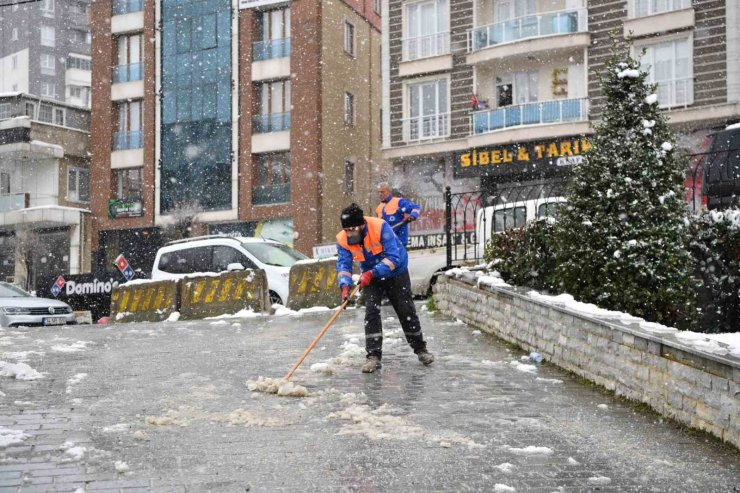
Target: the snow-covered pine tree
pixel 622 239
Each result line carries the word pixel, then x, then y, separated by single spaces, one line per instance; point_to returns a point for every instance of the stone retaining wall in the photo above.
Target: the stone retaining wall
pixel 697 388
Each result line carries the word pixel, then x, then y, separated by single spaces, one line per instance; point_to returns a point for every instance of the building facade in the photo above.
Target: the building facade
pixel 227 116
pixel 44 189
pixel 490 94
pixel 45 50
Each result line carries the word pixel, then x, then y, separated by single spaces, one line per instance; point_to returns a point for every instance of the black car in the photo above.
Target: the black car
pixel 721 186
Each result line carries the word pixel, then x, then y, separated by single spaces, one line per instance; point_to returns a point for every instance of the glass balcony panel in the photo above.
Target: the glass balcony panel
pixel 546 112
pixel 271 122
pixel 127 140
pixel 271 194
pixel 271 49
pixel 121 7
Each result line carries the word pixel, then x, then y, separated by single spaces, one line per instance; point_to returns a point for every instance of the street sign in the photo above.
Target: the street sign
pixel 125 267
pixel 56 288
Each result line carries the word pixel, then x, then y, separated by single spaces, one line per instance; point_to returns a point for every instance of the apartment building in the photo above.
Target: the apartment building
pixel 45 49
pixel 44 189
pixel 256 117
pixel 485 94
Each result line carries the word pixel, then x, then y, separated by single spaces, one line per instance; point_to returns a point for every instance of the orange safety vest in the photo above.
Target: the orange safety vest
pixel 372 240
pixel 390 208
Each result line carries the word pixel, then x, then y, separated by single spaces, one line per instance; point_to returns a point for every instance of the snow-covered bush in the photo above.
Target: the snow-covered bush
pixel 622 239
pixel 715 246
pixel 525 256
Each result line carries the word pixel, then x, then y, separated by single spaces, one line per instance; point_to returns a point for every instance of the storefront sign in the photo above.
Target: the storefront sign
pixel 520 158
pixel 420 242
pixel 124 208
pixel 83 292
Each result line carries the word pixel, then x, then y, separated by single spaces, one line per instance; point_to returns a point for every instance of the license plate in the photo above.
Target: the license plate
pixel 55 321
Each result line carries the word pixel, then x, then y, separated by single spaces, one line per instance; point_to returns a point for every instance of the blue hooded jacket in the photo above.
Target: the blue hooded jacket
pixel 393 250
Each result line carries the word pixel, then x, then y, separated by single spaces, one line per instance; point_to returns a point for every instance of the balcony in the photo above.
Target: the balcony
pixel 271 194
pixel 127 140
pixel 121 7
pixel 426 127
pixel 271 49
pixel 425 46
pixel 540 113
pixel 14 202
pixel 675 93
pixel 128 73
pixel 273 122
pixel 644 8
pixel 532 26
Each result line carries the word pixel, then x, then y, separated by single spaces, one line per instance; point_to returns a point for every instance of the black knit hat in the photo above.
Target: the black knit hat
pixel 352 216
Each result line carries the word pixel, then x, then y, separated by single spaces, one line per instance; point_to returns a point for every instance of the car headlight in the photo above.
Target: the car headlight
pixel 68 309
pixel 11 310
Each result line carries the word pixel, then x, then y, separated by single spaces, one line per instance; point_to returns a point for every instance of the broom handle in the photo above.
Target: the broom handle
pixel 323 331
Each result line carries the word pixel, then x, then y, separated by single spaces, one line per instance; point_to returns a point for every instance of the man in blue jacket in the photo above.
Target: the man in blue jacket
pixel 395 211
pixel 384 264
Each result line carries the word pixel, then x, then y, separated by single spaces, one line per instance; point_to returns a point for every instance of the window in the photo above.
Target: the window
pixel 349 38
pixel 428 110
pixel 48 89
pixel 378 6
pixel 4 110
pixel 187 261
pixel 78 185
pixel 14 61
pixel 427 29
pixel 129 184
pixel 59 116
pixel 349 177
pixel 669 65
pixel 128 129
pixel 349 108
pixel 644 8
pixel 4 182
pixel 80 92
pixel 505 10
pixel 14 35
pixel 223 256
pixel 30 110
pixel 46 113
pixel 48 64
pixel 129 56
pixel 79 63
pixel 549 209
pixel 274 34
pixel 47 8
pixel 511 217
pixel 273 179
pixel 274 107
pixel 519 88
pixel 48 36
pixel 15 88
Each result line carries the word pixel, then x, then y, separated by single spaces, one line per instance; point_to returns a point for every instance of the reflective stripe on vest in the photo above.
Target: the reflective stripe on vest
pixel 389 208
pixel 372 240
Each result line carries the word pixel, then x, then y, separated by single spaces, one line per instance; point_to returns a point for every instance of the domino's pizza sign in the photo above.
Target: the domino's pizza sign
pixel 56 288
pixel 124 267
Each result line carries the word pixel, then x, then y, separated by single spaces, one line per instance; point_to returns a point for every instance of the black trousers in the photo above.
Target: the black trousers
pixel 398 291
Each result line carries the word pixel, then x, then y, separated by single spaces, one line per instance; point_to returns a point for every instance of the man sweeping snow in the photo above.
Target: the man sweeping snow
pixel 384 264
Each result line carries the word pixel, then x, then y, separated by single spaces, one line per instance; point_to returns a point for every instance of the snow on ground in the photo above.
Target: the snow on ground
pixel 505 467
pixel 73 451
pixel 599 480
pixel 277 386
pixel 74 381
pixel 524 368
pixel 10 437
pixel 19 371
pixel 71 348
pixel 548 380
pixel 174 317
pixel 121 467
pixel 530 450
pixel 498 487
pixel 21 356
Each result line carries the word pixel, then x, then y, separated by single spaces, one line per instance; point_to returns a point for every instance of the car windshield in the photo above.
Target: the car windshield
pixel 10 291
pixel 274 253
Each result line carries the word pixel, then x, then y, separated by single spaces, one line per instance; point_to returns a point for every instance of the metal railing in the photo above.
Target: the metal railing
pixel 121 7
pixel 557 111
pixel 674 93
pixel 271 194
pixel 472 218
pixel 426 127
pixel 425 46
pixel 271 122
pixel 14 201
pixel 127 140
pixel 644 8
pixel 128 73
pixel 531 26
pixel 272 48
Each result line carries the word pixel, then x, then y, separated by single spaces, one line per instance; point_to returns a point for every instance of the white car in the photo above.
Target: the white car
pixel 208 254
pixel 17 307
pixel 509 215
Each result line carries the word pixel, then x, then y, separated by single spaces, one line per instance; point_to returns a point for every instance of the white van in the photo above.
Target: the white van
pixel 207 254
pixel 510 215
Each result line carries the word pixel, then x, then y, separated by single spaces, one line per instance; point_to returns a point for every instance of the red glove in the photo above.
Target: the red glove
pixel 345 294
pixel 366 278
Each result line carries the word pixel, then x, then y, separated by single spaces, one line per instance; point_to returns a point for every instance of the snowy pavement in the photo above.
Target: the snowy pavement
pixel 165 407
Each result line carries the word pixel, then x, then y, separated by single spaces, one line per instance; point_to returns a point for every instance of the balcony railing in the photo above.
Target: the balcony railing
pixel 531 26
pixel 426 127
pixel 271 194
pixel 273 122
pixel 127 6
pixel 14 201
pixel 127 140
pixel 128 73
pixel 675 93
pixel 425 46
pixel 273 48
pixel 643 8
pixel 558 111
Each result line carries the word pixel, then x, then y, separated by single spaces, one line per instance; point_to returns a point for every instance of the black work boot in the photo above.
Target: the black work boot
pixel 372 364
pixel 425 357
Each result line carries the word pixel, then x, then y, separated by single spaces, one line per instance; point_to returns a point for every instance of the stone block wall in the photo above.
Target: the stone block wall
pixel 696 388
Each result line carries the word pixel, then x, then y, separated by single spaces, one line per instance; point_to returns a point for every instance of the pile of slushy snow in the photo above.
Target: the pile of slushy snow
pixel 19 371
pixel 277 386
